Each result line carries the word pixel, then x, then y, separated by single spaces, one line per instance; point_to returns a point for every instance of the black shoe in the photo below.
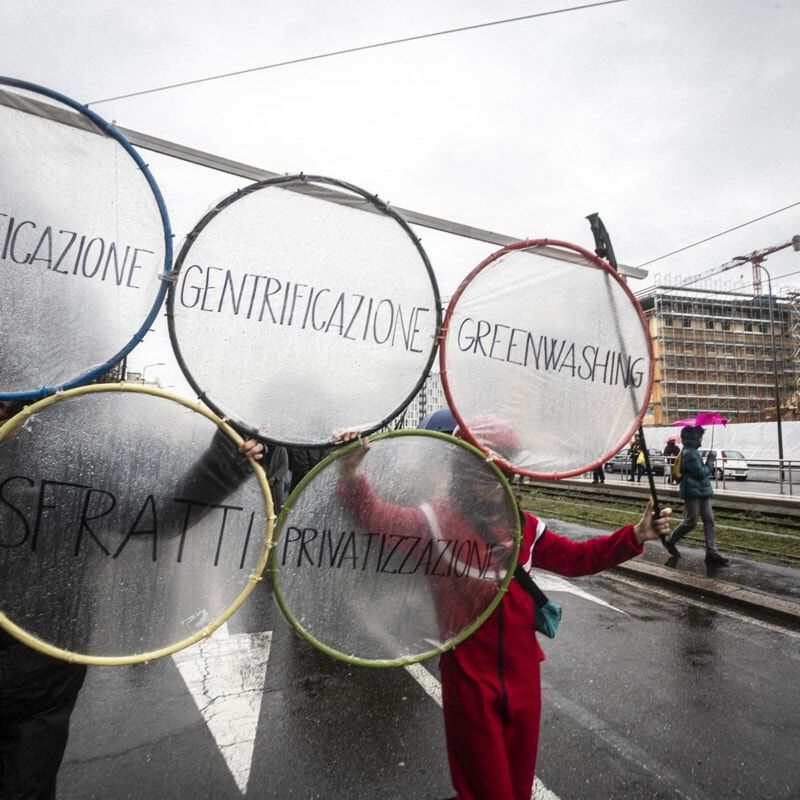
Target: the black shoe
pixel 715 559
pixel 671 549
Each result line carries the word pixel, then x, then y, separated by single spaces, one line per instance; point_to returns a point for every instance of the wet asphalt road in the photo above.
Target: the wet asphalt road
pixel 657 697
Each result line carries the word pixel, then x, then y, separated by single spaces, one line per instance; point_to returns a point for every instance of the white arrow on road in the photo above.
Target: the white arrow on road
pixel 225 676
pixel 555 583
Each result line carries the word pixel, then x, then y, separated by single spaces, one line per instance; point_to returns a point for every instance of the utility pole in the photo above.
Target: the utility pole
pixel 757 259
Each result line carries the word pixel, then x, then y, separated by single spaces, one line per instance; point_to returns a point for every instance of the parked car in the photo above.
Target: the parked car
pixel 621 462
pixel 730 464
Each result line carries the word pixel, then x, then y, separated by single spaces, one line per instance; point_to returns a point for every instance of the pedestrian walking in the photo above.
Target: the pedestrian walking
pixel 670 454
pixel 696 491
pixel 634 455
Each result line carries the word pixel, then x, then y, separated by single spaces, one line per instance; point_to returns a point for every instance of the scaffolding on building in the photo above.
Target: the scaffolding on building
pixel 715 350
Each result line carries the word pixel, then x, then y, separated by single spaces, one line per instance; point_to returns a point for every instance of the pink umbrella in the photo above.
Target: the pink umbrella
pixel 704 419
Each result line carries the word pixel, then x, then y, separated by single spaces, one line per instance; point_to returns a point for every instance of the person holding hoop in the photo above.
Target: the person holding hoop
pixel 38 692
pixel 491 689
pixel 37 696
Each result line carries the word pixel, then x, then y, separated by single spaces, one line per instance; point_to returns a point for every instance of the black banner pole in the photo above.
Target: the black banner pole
pixel 603 248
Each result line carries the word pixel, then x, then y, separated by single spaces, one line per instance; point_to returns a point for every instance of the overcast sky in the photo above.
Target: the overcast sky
pixel 674 119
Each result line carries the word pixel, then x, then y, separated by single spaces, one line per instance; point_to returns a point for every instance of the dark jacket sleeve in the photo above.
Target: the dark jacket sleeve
pixel 694 467
pixel 219 471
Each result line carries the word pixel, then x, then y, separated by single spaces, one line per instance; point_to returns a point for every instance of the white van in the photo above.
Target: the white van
pixel 731 461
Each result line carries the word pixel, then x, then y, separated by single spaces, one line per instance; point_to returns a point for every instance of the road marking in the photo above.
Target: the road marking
pixel 225 676
pixel 433 689
pixel 555 583
pixel 541 792
pixel 427 681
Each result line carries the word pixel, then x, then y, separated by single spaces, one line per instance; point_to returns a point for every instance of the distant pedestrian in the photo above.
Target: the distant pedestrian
pixel 287 483
pixel 696 491
pixel 637 459
pixel 599 474
pixel 670 454
pixel 276 468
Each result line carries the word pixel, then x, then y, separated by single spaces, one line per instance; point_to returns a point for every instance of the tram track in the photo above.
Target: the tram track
pixel 763 531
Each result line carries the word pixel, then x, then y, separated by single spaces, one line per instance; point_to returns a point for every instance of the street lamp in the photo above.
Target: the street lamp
pixel 147 366
pixel 757 260
pixel 760 266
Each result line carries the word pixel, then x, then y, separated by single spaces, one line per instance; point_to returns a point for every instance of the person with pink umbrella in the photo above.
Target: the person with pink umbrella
pixel 696 491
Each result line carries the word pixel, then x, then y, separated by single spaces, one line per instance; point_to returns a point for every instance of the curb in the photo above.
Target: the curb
pixel 731 593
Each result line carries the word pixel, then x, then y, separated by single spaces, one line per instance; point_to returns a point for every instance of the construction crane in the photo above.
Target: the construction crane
pixel 755 258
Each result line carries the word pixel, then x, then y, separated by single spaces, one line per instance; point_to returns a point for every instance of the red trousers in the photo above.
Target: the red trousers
pixel 492 728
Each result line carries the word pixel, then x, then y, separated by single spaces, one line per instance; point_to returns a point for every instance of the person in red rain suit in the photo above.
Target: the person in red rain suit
pixel 491 690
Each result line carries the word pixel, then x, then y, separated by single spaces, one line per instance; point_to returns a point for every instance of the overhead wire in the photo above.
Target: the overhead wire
pixel 431 35
pixel 358 49
pixel 717 235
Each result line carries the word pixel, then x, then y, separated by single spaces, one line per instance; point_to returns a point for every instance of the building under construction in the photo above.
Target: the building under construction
pixel 725 351
pixel 715 350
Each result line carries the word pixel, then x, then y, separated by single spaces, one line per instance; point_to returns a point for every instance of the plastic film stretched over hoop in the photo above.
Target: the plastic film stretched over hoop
pixel 85 243
pixel 130 524
pixel 546 363
pixel 302 316
pixel 401 559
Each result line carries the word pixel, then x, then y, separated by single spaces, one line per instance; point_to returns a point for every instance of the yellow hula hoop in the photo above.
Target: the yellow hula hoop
pixel 255 576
